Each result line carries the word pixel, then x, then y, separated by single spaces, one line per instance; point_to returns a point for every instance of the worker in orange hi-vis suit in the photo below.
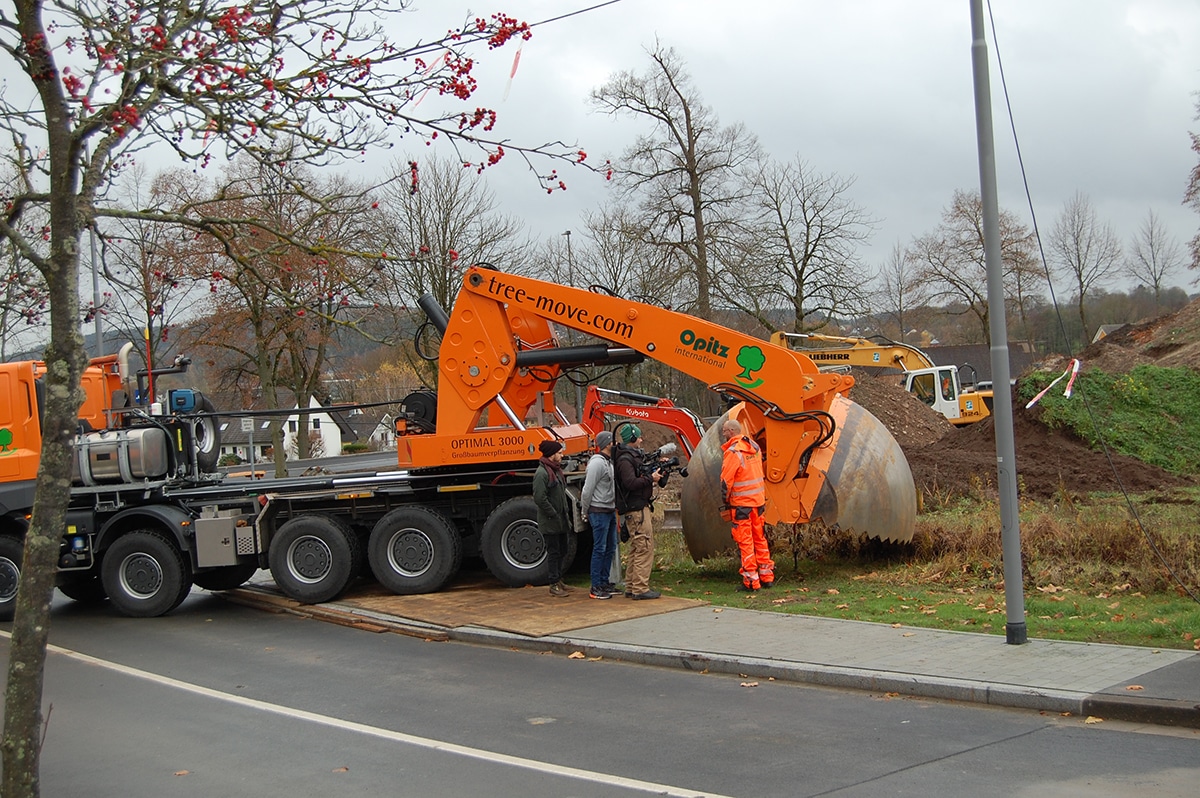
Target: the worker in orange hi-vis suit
pixel 744 494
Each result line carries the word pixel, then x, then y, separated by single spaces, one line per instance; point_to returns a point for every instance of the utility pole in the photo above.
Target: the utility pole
pixel 1006 456
pixel 578 388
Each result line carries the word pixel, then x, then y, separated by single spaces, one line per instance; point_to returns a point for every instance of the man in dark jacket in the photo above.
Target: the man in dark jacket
pixel 553 512
pixel 634 493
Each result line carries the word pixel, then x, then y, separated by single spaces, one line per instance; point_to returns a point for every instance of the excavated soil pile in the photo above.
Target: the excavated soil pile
pixel 959 460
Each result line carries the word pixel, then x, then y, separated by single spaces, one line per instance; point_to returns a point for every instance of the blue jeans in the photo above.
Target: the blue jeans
pixel 604 545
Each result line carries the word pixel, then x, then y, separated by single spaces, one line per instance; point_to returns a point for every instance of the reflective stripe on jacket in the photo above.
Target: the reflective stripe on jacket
pixel 742 483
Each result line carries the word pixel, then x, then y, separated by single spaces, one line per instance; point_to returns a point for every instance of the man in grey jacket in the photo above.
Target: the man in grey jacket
pixel 599 503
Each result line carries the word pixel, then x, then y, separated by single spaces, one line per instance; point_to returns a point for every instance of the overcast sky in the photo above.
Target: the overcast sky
pixel 1102 94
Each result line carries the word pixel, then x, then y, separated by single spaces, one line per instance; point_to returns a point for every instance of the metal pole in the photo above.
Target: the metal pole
pixel 96 298
pixel 578 388
pixel 99 328
pixel 1002 411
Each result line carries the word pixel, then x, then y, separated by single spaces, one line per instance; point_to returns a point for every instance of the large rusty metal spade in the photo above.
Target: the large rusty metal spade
pixel 868 486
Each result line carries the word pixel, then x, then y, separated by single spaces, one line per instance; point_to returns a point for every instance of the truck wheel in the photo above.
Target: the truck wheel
pixel 414 550
pixel 313 558
pixel 145 575
pixel 513 547
pixel 12 551
pixel 224 578
pixel 207 435
pixel 82 588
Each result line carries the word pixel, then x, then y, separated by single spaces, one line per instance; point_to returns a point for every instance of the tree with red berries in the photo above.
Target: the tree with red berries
pixel 91 85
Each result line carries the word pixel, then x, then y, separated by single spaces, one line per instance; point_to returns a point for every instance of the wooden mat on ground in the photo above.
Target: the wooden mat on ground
pixel 531 611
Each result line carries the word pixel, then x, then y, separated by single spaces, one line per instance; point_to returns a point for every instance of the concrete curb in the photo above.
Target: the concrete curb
pixel 1107 705
pixel 820 675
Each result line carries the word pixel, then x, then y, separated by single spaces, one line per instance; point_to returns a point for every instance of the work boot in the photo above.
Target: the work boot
pixel 558 591
pixel 565 586
pixel 649 594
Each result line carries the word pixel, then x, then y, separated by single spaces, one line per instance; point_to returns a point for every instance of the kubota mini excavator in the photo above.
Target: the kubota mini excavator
pixel 601 402
pixel 825 457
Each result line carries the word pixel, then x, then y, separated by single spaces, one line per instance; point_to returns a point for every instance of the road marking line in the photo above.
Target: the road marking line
pixel 387 734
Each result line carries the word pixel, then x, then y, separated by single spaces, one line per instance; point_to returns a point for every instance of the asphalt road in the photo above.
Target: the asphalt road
pixel 221 700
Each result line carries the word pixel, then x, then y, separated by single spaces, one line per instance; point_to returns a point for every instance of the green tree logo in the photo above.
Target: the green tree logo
pixel 750 358
pixel 6 439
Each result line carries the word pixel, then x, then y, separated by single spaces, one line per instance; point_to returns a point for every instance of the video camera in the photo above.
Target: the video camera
pixel 663 460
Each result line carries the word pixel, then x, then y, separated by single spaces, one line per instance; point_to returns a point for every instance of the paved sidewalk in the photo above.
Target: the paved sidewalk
pixel 1145 685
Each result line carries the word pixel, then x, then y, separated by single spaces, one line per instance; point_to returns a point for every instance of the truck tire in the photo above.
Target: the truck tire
pixel 224 578
pixel 313 558
pixel 513 548
pixel 145 575
pixel 414 550
pixel 207 435
pixel 12 552
pixel 82 588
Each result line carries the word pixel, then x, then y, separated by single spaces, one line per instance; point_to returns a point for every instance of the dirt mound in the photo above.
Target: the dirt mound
pixel 1048 462
pixel 1170 341
pixel 957 460
pixel 912 423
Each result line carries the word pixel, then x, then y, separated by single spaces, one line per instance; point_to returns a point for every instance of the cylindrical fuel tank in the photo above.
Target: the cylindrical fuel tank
pixel 122 455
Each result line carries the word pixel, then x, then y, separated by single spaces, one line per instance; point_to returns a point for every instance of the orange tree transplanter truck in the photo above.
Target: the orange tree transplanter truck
pixel 148 518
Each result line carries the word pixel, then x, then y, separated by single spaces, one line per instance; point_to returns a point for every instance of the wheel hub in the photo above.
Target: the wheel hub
pixel 141 575
pixel 410 552
pixel 309 560
pixel 10 576
pixel 523 546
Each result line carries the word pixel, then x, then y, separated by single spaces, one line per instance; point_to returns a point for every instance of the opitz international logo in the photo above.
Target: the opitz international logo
pixel 750 358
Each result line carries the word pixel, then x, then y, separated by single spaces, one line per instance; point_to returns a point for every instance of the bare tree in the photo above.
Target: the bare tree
pixel 1085 252
pixel 1191 196
pixel 23 298
pixel 950 260
pixel 145 263
pixel 450 220
pixel 899 290
pixel 1153 256
pixel 92 84
pixel 798 250
pixel 684 175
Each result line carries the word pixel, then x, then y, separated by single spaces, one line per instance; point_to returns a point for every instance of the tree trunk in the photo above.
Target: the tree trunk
pixel 65 359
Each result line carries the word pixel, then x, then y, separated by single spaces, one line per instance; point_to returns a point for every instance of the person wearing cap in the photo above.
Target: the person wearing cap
pixel 599 508
pixel 553 512
pixel 634 492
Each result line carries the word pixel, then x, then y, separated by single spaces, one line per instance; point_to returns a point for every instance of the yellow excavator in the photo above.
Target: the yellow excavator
pixel 937 386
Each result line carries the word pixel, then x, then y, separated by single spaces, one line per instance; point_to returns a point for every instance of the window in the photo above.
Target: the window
pixel 923 387
pixel 946 380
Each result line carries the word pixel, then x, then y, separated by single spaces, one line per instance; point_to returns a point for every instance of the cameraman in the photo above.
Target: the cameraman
pixel 634 493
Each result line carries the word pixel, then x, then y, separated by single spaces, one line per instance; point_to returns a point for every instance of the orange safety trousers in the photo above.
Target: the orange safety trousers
pixel 757 566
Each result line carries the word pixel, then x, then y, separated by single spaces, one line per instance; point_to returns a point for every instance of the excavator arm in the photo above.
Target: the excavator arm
pixel 499 360
pixel 836 350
